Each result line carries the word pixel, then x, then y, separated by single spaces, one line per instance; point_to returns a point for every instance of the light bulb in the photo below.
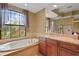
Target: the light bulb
pixel 55 6
pixel 25 4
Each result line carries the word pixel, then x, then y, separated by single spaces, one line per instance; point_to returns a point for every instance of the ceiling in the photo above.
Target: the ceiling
pixel 32 7
pixel 36 7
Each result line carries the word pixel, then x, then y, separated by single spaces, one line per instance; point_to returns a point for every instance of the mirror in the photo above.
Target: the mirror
pixel 62 26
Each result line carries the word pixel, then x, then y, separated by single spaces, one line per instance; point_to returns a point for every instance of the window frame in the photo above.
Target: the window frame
pixel 25 25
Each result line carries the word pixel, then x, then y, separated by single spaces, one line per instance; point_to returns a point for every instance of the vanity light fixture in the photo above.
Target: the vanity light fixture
pixel 25 4
pixel 55 6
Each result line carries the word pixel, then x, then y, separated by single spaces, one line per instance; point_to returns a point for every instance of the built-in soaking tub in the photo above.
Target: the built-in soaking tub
pixel 18 44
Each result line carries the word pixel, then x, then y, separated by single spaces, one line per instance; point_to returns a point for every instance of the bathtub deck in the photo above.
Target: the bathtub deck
pixel 6 53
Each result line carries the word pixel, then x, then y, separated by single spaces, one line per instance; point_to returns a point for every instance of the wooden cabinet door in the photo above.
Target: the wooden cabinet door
pixel 69 46
pixel 51 47
pixel 52 50
pixel 42 46
pixel 65 52
pixel 42 50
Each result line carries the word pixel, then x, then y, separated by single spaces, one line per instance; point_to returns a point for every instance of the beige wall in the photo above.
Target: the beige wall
pixel 40 21
pixel 32 22
pixel 37 22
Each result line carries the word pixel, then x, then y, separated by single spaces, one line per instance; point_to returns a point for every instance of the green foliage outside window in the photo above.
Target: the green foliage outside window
pixel 13 25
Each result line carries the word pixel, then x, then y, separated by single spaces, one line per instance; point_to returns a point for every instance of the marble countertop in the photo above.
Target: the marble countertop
pixel 63 38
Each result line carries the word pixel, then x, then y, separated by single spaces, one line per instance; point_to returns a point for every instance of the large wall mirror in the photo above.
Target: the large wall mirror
pixel 62 26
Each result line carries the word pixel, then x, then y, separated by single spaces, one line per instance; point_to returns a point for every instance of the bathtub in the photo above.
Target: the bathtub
pixel 18 44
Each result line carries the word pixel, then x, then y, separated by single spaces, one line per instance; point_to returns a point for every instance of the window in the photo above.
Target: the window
pixel 13 24
pixel 14 31
pixel 14 18
pixel 5 32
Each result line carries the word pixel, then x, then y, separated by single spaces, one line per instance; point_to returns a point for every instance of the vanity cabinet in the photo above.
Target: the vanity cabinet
pixel 67 49
pixel 43 46
pixel 51 47
pixel 66 52
pixel 48 47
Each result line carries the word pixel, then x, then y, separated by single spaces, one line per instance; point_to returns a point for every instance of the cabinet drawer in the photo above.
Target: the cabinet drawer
pixel 66 52
pixel 51 41
pixel 69 46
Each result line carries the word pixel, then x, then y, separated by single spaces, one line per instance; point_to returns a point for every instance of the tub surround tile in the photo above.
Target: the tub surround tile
pixel 9 52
